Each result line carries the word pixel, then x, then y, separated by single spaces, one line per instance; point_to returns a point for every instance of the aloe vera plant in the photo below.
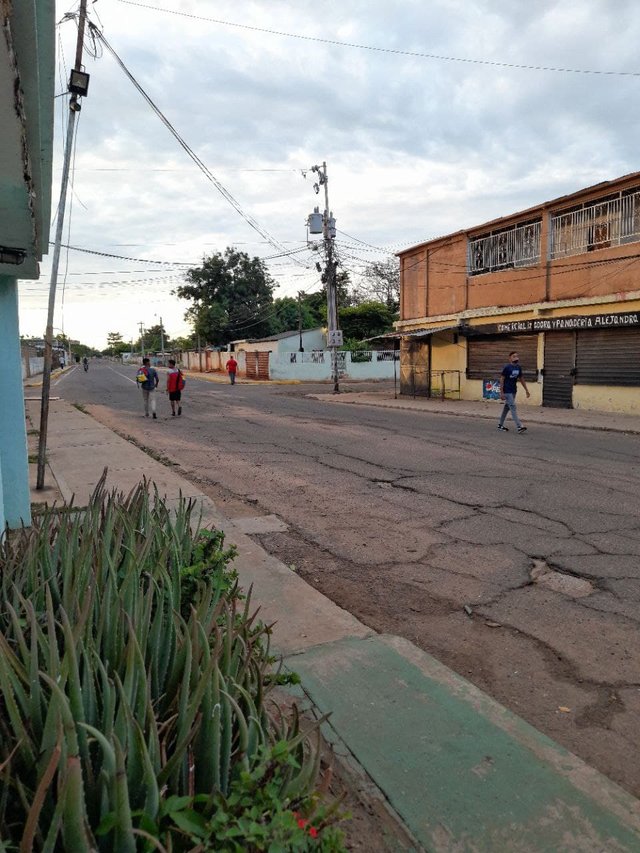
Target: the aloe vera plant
pixel 132 672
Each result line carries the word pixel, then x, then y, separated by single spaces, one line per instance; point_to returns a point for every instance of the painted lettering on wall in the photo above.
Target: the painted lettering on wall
pixel 557 324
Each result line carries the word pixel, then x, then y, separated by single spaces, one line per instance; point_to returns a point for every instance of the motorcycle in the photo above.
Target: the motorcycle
pixel 86 366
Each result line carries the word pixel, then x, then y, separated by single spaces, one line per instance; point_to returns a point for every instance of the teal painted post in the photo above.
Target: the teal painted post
pixel 14 465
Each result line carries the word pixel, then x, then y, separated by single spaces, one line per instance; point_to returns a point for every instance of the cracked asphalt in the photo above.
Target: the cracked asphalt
pixel 515 560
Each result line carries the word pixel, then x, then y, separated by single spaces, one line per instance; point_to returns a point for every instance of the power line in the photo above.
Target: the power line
pixel 395 51
pixel 189 151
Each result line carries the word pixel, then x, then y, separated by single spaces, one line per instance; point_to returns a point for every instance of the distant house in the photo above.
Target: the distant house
pixel 312 339
pixel 27 77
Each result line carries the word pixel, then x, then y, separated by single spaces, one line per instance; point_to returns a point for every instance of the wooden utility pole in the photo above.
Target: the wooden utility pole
pixel 74 109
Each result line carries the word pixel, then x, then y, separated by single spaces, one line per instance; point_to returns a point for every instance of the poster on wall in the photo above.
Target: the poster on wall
pixel 490 389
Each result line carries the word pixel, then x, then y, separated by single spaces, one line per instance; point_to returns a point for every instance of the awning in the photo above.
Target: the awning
pixel 416 333
pixel 425 333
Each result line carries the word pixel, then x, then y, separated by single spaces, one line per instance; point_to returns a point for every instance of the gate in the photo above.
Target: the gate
pixel 559 369
pixel 414 368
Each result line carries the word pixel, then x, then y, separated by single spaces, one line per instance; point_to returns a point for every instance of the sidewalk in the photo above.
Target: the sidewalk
pixel 461 771
pixel 490 410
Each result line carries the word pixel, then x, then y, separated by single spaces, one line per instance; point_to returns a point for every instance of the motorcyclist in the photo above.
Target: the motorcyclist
pixel 85 363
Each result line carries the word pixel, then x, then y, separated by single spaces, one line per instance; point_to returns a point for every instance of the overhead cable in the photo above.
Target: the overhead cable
pixel 396 51
pixel 183 144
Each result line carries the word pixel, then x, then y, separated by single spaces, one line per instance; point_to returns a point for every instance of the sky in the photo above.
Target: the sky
pixel 431 115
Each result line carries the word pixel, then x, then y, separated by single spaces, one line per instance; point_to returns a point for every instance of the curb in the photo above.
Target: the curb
pixel 390 404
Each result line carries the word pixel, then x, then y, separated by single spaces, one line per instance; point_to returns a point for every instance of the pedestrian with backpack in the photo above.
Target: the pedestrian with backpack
pixel 175 386
pixel 148 379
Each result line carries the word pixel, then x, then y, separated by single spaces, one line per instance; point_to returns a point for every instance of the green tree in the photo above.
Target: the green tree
pixel 115 344
pixel 365 320
pixel 152 339
pixel 232 296
pixel 381 283
pixel 183 343
pixel 287 312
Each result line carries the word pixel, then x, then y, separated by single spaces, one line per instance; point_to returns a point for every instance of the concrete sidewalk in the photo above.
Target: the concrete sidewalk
pixel 489 410
pixel 461 771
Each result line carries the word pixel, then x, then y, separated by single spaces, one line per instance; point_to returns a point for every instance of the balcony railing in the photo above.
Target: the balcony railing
pixel 517 247
pixel 598 226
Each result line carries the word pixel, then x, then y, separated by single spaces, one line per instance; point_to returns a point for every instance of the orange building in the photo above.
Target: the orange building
pixel 559 283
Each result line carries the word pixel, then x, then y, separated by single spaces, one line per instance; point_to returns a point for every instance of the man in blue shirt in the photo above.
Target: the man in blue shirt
pixel 511 375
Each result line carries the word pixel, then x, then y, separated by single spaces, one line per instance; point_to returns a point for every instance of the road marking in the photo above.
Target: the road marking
pixel 124 376
pixel 59 379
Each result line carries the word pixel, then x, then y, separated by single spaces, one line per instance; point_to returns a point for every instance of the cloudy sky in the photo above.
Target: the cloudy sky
pixel 422 110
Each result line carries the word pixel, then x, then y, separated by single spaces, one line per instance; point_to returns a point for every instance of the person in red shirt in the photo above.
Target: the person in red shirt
pixel 175 384
pixel 232 369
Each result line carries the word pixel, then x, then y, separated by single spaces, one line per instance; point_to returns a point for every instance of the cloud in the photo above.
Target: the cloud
pixel 416 147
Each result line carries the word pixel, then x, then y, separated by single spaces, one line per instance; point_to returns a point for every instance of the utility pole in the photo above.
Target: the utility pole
pixel 328 230
pixel 78 85
pixel 141 327
pixel 301 348
pixel 162 339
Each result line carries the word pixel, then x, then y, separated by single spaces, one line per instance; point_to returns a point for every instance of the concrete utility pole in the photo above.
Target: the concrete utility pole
pixel 334 335
pixel 141 327
pixel 74 109
pixel 301 348
pixel 162 339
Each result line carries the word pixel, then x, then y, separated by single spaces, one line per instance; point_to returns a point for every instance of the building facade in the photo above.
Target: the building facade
pixel 559 283
pixel 27 63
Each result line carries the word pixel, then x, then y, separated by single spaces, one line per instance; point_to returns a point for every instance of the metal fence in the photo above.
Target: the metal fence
pixel 517 247
pixel 597 226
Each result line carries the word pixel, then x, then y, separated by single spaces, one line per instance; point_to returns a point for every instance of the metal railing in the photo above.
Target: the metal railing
pixel 517 247
pixel 357 356
pixel 602 224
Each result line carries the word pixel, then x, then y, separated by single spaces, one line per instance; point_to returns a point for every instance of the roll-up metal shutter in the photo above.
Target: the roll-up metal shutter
pixel 487 356
pixel 559 364
pixel 608 357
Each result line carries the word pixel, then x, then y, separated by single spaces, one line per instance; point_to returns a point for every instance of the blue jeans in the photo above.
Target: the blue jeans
pixel 510 406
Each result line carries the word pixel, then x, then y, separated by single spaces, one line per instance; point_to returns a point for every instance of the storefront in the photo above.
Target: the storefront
pixel 581 360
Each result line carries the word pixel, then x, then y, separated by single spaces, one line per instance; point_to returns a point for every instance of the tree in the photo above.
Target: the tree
pixel 183 343
pixel 381 283
pixel 287 313
pixel 153 339
pixel 232 296
pixel 365 320
pixel 115 344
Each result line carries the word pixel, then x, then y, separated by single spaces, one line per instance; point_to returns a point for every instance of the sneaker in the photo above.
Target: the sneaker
pixel 155 417
pixel 503 428
pixel 522 429
pixel 179 410
pixel 173 414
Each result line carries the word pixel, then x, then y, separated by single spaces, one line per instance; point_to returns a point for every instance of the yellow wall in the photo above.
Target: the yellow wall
pixel 445 355
pixel 607 399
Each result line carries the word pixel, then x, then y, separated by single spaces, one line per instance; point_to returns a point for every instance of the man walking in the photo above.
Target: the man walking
pixel 148 380
pixel 232 368
pixel 175 384
pixel 511 375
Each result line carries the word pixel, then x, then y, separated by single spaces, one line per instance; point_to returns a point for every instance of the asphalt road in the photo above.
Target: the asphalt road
pixel 515 560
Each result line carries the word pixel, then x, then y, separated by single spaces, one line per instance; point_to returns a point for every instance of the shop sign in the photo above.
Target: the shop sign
pixel 557 324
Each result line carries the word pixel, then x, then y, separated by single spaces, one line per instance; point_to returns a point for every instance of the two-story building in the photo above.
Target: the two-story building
pixel 558 282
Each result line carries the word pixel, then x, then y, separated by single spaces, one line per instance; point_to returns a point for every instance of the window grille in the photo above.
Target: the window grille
pixel 605 223
pixel 518 246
